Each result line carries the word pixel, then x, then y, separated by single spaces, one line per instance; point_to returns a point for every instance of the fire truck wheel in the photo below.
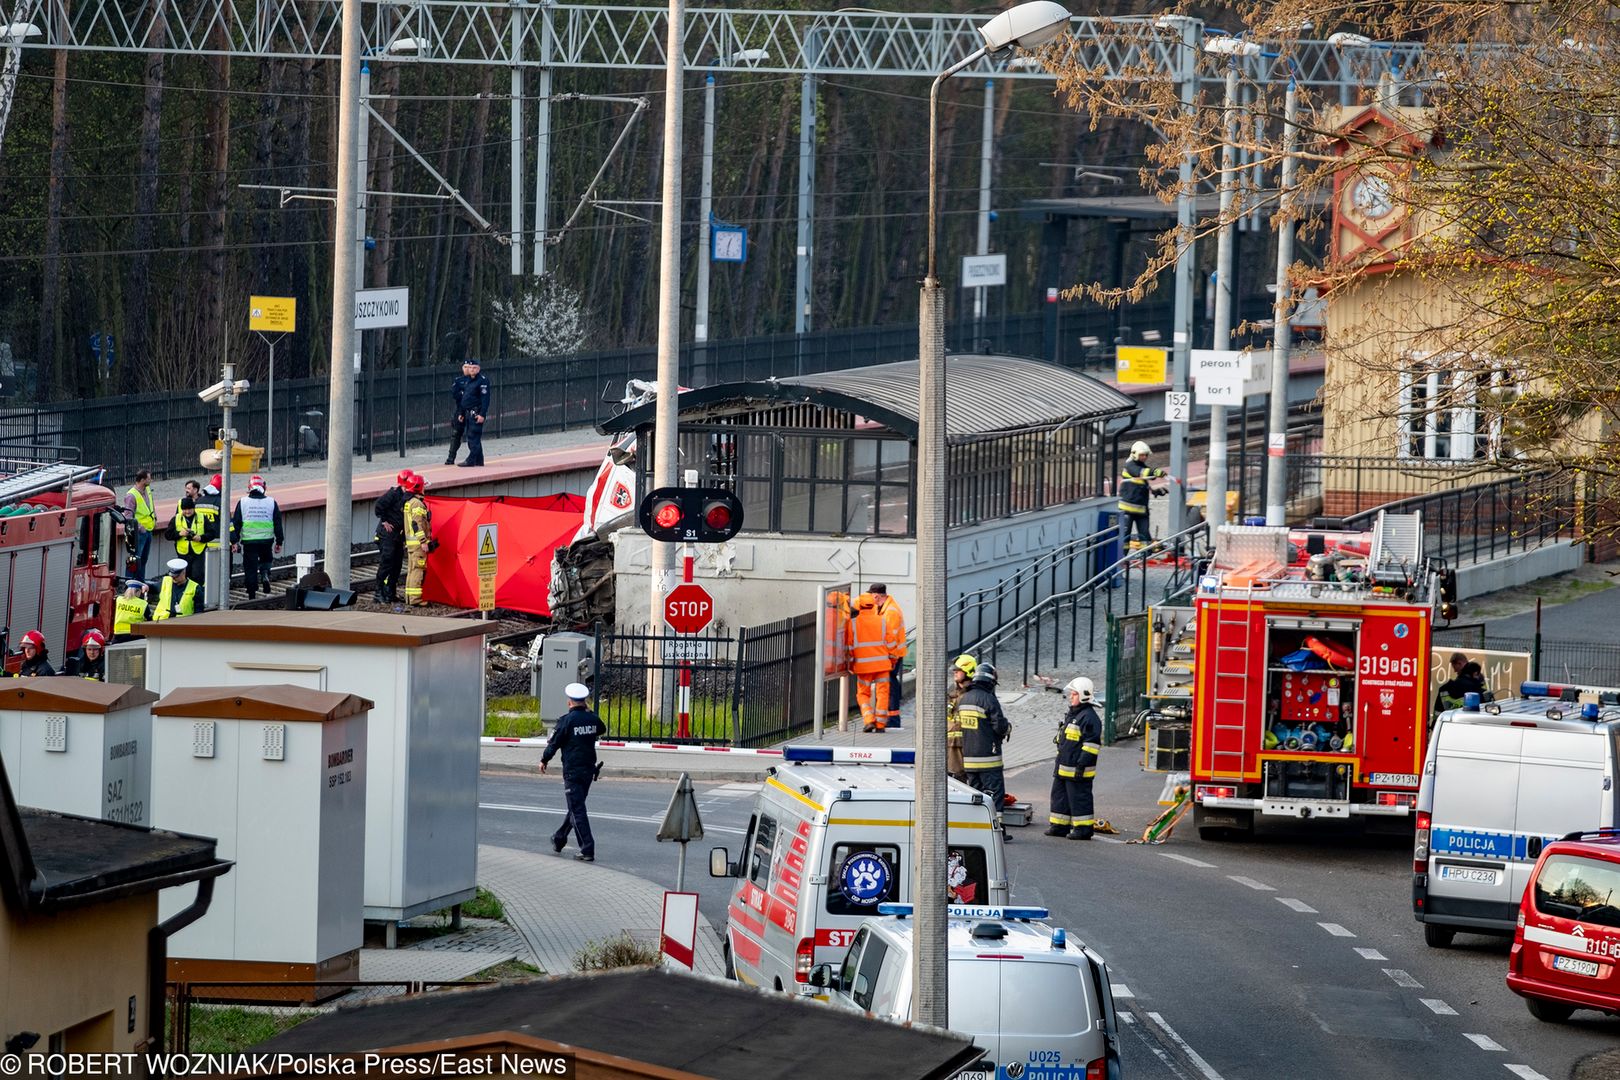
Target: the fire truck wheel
pixel 1439 937
pixel 731 972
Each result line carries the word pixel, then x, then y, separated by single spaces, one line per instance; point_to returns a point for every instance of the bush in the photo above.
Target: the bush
pixel 620 951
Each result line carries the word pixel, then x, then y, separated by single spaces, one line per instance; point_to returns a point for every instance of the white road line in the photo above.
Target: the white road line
pixel 1485 1042
pixel 1121 990
pixel 1405 979
pixel 1188 859
pixel 1192 1055
pixel 602 817
pixel 1110 839
pixel 1257 886
pixel 1335 929
pixel 1298 905
pixel 1524 1072
pixel 1440 1008
pixel 1371 954
pixel 1126 1018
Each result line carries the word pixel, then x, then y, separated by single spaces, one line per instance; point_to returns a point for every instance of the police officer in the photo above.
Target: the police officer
pixel 130 610
pixel 390 511
pixel 35 657
pixel 962 669
pixel 575 736
pixel 178 594
pixel 189 531
pixel 90 662
pixel 470 392
pixel 1134 492
pixel 984 727
pixel 419 542
pixel 256 531
pixel 1079 741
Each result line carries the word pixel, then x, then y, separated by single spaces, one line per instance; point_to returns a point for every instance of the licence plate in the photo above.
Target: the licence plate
pixel 976 1073
pixel 1588 968
pixel 1481 875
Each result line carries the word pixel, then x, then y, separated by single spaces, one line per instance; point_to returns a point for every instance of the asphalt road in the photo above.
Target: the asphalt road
pixel 1292 955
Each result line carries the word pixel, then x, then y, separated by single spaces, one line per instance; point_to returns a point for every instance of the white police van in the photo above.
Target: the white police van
pixel 830 840
pixel 1500 781
pixel 1038 1004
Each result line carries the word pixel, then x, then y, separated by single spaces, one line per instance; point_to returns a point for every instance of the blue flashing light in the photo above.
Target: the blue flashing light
pixel 971 911
pixel 1060 938
pixel 850 754
pixel 1471 701
pixel 1591 711
pixel 902 910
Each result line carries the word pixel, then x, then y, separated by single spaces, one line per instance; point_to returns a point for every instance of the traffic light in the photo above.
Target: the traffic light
pixel 690 515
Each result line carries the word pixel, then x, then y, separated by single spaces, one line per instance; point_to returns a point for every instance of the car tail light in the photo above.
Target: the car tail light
pixel 1208 791
pixel 1420 844
pixel 1097 1070
pixel 1396 798
pixel 804 958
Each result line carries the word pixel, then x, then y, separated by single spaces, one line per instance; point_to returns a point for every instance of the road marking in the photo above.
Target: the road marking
pixel 1485 1042
pixel 1335 929
pixel 1298 905
pixel 1524 1072
pixel 1440 1008
pixel 735 790
pixel 1126 1018
pixel 604 817
pixel 1405 979
pixel 1192 1055
pixel 1121 990
pixel 1257 886
pixel 1110 839
pixel 1188 859
pixel 1371 954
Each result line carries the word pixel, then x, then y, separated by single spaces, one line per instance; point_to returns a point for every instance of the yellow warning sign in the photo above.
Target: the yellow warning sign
pixel 486 594
pixel 486 544
pixel 272 314
pixel 488 560
pixel 1138 365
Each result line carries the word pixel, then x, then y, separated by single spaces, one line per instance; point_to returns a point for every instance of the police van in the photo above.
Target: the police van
pixel 1038 1004
pixel 1500 781
pixel 830 840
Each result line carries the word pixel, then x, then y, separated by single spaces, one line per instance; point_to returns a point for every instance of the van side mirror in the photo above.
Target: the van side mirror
pixel 720 864
pixel 824 977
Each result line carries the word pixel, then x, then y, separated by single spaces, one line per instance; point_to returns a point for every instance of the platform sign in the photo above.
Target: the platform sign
pixel 1220 374
pixel 273 314
pixel 377 309
pixel 1177 407
pixel 1140 365
pixel 488 550
pixel 982 270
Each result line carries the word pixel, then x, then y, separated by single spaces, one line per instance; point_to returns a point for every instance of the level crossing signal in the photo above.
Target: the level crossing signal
pixel 690 515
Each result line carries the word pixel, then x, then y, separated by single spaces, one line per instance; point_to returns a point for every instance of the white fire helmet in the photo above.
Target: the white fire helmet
pixel 1140 449
pixel 1083 687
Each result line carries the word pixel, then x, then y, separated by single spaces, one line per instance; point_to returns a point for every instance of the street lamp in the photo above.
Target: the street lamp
pixel 1027 26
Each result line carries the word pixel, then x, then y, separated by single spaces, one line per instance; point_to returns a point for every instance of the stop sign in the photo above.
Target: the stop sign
pixel 688 609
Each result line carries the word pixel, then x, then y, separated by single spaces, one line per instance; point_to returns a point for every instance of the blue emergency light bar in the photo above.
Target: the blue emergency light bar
pixel 970 911
pixel 849 754
pixel 1567 692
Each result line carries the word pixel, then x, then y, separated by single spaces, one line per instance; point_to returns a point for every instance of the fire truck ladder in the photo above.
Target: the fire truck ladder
pixel 1397 545
pixel 36 479
pixel 1230 716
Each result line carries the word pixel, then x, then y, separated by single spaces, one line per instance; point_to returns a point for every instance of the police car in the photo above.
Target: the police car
pixel 1038 1004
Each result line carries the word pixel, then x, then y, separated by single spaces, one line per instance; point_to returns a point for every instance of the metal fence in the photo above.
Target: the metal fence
pixel 1490 520
pixel 1587 663
pixel 751 687
pixel 228 1017
pixel 1129 642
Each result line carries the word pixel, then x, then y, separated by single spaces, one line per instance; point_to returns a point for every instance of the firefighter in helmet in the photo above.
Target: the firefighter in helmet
pixel 962 669
pixel 1079 741
pixel 984 728
pixel 419 542
pixel 35 658
pixel 1134 493
pixel 90 662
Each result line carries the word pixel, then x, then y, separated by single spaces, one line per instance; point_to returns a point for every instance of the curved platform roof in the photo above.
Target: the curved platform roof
pixel 984 395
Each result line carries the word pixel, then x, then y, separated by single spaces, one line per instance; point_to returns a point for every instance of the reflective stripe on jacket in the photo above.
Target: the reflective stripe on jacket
pixel 258 518
pixel 983 727
pixel 194 524
pixel 1133 488
pixel 418 522
pixel 894 629
pixel 868 647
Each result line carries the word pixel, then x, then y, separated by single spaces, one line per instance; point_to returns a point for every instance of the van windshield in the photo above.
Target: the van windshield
pixel 1044 999
pixel 1575 887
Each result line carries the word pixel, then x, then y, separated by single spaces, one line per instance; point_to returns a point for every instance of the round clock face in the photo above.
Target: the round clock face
pixel 1372 196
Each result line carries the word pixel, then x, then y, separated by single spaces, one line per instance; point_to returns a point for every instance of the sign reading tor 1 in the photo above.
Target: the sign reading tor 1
pixel 688 609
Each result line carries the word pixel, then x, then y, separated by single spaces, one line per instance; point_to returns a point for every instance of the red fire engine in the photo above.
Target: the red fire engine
pixel 1306 656
pixel 61 555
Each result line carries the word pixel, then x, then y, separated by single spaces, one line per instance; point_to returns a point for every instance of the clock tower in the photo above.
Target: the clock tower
pixel 1372 217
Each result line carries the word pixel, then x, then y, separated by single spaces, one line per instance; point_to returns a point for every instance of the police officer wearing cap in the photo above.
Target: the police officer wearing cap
pixel 130 610
pixel 575 736
pixel 470 392
pixel 178 594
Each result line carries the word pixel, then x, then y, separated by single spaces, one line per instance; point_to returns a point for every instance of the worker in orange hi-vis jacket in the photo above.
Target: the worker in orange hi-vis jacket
pixel 870 660
pixel 894 636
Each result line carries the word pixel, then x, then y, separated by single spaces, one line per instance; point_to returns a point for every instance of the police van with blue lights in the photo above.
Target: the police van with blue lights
pixel 829 840
pixel 1037 1002
pixel 1500 781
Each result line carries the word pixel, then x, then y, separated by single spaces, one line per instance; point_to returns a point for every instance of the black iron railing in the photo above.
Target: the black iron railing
pixel 1490 520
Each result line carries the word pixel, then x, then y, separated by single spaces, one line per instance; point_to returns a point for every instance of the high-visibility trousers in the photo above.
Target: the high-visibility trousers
pixel 872 691
pixel 415 574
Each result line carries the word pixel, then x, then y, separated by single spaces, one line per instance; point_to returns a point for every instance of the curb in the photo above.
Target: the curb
pixel 634 773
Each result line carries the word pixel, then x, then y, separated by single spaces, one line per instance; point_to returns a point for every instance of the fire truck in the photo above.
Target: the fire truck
pixel 1303 666
pixel 61 545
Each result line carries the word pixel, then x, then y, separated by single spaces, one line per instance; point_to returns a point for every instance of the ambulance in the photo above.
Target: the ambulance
pixel 829 840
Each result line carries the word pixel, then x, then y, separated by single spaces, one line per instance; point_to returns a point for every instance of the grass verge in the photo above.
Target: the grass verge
pixel 232 1029
pixel 513 716
pixel 510 971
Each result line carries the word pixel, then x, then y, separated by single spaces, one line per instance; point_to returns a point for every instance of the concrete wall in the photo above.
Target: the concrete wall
pixel 759 578
pixel 77 972
pixel 1555 557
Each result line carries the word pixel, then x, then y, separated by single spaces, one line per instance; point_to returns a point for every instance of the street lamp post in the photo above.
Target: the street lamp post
pixel 1029 25
pixel 12 36
pixel 1282 330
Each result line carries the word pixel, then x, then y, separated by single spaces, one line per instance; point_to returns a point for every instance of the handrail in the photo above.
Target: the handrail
pixel 1489 519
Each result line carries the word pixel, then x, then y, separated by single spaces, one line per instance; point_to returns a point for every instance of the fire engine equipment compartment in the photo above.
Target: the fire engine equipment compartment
pixel 1311 676
pixel 278 775
pixel 77 746
pixel 426 676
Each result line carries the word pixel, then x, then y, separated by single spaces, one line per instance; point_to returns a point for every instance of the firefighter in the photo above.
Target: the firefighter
pixel 208 509
pixel 35 657
pixel 131 607
pixel 894 637
pixel 1470 679
pixel 177 595
pixel 189 531
pixel 869 658
pixel 962 669
pixel 575 735
pixel 1079 741
pixel 984 728
pixel 256 532
pixel 419 542
pixel 470 393
pixel 90 662
pixel 1134 492
pixel 390 511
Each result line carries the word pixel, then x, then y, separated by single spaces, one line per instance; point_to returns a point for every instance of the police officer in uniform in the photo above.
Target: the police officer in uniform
pixel 390 511
pixel 189 531
pixel 1079 741
pixel 984 727
pixel 575 736
pixel 256 527
pixel 470 392
pixel 90 662
pixel 130 610
pixel 1134 492
pixel 178 594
